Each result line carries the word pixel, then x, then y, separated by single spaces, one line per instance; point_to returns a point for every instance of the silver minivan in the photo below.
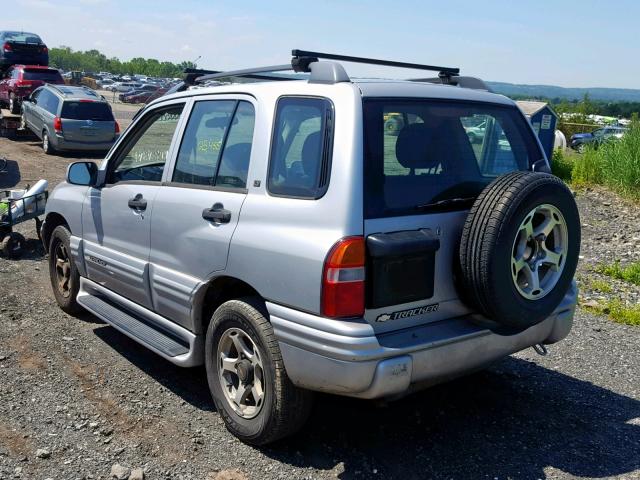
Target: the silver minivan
pixel 69 118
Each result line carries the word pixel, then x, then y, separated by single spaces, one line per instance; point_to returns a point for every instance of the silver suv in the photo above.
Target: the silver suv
pixel 279 234
pixel 69 118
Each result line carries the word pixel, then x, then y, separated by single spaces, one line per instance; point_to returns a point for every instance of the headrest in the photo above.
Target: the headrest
pixel 415 147
pixel 311 153
pixel 237 156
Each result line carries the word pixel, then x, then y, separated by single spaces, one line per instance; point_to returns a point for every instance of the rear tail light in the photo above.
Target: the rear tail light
pixel 57 124
pixel 117 127
pixel 343 279
pixel 7 47
pixel 44 50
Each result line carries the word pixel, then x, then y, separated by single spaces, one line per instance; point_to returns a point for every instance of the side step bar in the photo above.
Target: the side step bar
pixel 167 339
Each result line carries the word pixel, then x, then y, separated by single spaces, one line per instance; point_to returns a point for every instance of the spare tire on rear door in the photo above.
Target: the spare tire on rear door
pixel 519 248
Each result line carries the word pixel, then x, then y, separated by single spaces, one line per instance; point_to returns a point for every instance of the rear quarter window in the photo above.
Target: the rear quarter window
pixel 301 147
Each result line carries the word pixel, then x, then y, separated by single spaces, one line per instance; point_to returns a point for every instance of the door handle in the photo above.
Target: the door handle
pixel 217 214
pixel 138 203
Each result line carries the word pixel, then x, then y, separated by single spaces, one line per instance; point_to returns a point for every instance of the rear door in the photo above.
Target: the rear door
pixel 197 210
pixel 87 121
pixel 420 182
pixel 116 217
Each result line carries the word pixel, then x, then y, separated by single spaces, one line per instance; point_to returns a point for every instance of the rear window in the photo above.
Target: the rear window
pixel 79 110
pixel 419 152
pixel 48 76
pixel 22 37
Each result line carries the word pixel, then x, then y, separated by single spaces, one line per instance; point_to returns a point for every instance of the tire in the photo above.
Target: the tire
pixel 13 245
pixel 46 144
pixel 505 248
pixel 14 104
pixel 65 296
pixel 283 408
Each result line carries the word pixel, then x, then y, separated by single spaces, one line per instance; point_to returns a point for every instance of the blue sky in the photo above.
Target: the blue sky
pixel 568 43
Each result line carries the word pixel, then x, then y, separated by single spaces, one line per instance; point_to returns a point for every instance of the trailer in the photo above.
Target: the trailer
pixel 10 124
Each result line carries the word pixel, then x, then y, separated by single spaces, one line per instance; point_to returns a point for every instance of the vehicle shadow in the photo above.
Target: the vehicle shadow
pixel 188 383
pixel 513 420
pixel 9 175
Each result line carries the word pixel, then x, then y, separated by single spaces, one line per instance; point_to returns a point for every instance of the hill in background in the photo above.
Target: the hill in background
pixel 553 92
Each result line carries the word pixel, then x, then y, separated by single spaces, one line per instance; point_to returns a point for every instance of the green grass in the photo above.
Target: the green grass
pixel 629 273
pixel 562 165
pixel 618 312
pixel 616 164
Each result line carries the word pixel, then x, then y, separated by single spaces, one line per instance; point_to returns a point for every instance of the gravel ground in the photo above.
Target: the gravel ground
pixel 77 397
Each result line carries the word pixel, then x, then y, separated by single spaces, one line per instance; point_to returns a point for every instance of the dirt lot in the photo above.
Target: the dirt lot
pixel 78 397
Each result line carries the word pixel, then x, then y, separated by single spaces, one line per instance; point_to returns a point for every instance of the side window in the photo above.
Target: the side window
pixel 35 95
pixel 202 142
pixel 44 99
pixel 234 164
pixel 301 147
pixel 147 148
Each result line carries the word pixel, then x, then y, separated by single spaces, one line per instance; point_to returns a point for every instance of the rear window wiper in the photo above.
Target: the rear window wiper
pixel 447 204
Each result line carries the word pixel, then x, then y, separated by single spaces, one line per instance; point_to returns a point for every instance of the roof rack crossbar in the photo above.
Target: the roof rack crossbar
pixel 374 61
pixel 248 72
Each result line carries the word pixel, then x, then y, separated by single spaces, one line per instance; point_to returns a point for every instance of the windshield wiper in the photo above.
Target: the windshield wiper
pixel 447 204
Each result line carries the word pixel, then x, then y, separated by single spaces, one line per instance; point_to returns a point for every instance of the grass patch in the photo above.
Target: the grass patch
pixel 618 312
pixel 629 273
pixel 562 165
pixel 616 164
pixel 601 286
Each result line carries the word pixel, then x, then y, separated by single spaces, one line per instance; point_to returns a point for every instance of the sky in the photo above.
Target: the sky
pixel 570 43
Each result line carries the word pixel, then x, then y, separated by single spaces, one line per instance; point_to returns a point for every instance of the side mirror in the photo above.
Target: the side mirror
pixel 82 173
pixel 27 99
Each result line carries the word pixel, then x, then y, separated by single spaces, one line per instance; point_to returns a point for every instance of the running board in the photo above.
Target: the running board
pixel 167 339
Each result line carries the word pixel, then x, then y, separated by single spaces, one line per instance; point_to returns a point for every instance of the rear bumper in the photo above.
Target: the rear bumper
pixel 59 143
pixel 347 358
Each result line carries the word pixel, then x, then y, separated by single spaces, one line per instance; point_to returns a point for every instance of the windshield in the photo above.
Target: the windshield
pixel 42 75
pixel 98 111
pixel 419 152
pixel 22 37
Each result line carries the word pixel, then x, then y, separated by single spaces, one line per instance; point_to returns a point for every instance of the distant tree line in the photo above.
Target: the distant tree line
pixel 94 61
pixel 587 106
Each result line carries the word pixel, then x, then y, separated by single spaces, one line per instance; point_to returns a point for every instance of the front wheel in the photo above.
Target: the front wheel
pixel 247 378
pixel 65 279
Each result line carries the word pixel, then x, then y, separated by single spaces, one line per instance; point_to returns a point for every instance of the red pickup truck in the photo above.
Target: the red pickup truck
pixel 20 80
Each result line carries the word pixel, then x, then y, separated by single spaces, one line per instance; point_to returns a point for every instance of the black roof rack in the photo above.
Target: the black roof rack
pixel 302 59
pixel 305 61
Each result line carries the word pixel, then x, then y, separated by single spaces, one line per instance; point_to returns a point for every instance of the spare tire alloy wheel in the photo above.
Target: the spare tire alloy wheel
pixel 519 248
pixel 539 251
pixel 241 373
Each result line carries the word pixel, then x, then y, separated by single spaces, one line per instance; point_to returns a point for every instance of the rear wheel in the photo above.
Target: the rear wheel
pixel 46 144
pixel 246 375
pixel 64 276
pixel 519 248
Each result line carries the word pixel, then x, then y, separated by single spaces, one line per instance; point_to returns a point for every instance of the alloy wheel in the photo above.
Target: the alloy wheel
pixel 539 252
pixel 241 372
